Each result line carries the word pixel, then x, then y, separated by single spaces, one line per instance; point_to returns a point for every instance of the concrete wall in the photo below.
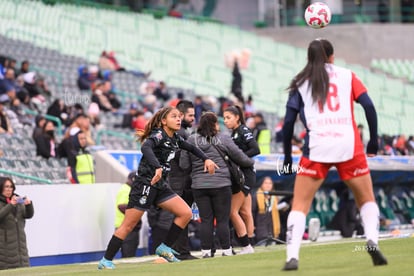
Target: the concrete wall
pixel 355 43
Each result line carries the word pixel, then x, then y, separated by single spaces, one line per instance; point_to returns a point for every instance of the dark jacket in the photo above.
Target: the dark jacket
pixel 43 147
pixel 221 178
pixel 179 179
pixel 13 248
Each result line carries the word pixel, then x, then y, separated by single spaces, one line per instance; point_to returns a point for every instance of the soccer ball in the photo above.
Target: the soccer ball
pixel 317 15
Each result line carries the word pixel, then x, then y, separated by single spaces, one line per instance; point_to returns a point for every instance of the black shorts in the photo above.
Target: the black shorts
pixel 250 177
pixel 143 195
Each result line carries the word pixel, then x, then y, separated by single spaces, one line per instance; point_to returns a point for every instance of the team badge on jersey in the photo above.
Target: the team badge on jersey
pixel 143 200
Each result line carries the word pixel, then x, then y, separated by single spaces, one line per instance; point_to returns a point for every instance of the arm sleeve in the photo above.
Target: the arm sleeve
pixel 253 148
pixel 236 154
pixel 147 151
pixel 370 114
pixel 193 149
pixel 292 109
pixel 250 142
pixel 29 211
pixel 288 125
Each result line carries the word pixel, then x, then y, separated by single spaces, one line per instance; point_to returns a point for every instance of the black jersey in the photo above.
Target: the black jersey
pixel 157 152
pixel 163 148
pixel 244 139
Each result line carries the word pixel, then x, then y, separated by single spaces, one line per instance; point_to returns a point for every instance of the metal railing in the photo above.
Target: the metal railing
pixel 26 176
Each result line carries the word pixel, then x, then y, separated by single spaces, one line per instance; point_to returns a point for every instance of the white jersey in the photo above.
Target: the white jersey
pixel 331 129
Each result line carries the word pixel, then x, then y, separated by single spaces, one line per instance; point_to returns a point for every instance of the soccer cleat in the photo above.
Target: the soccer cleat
pixel 105 264
pixel 376 255
pixel 166 253
pixel 247 250
pixel 292 264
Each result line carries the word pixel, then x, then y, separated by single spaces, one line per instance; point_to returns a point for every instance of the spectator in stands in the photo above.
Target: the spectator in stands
pixel 161 92
pixel 83 78
pixel 173 12
pixel 74 111
pixel 99 96
pixel 12 66
pixel 107 61
pixel 400 145
pixel 7 85
pixel 261 133
pixel 410 145
pixel 80 122
pixel 265 212
pixel 130 243
pixel 16 115
pixel 38 129
pixel 5 125
pixel 24 67
pixel 110 95
pixel 43 87
pixel 128 118
pixel 199 108
pixel 59 110
pixel 213 194
pixel 93 74
pixel 139 121
pixel 46 142
pixel 80 162
pixel 14 210
pixel 93 114
pixel 30 84
pixel 249 109
pixel 176 100
pixel 236 84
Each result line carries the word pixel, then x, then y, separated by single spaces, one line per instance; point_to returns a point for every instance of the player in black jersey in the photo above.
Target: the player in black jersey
pixel 241 202
pixel 159 144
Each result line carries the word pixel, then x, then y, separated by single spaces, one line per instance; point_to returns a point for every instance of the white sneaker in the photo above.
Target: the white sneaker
pixel 314 228
pixel 206 253
pixel 247 250
pixel 227 252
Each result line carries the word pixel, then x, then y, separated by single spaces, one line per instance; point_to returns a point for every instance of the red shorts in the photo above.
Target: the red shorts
pixel 357 166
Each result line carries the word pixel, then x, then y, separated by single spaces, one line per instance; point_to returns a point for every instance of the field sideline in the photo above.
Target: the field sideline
pixel 346 257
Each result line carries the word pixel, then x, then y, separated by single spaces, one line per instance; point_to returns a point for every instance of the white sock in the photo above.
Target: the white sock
pixel 370 219
pixel 296 223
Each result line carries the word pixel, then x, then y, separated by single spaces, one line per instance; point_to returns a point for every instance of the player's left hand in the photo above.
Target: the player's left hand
pixel 210 166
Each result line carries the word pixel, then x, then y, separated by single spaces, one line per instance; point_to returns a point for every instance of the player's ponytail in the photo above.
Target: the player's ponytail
pixel 237 111
pixel 319 51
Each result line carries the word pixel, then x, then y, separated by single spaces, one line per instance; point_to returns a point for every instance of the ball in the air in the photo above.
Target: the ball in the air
pixel 317 15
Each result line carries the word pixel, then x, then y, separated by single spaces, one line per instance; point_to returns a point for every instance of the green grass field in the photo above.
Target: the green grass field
pixel 345 257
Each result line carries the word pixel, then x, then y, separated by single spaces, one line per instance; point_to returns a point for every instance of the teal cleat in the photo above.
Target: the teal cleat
pixel 105 264
pixel 166 253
